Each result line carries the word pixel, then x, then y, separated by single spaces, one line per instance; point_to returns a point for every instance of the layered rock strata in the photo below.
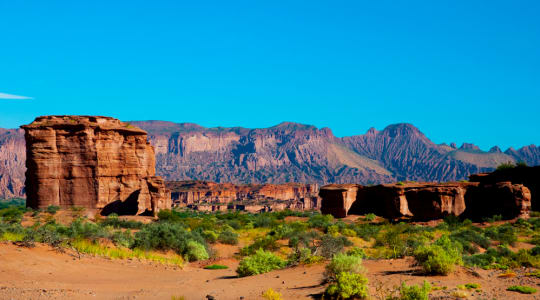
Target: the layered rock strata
pixel 427 201
pixel 12 163
pixel 93 162
pixel 206 195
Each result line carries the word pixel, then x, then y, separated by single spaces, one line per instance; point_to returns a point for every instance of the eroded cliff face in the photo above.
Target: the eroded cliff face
pixel 205 195
pixel 94 162
pixel 12 163
pixel 428 201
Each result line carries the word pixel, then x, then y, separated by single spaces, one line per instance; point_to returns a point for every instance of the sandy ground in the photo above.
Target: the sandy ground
pixel 44 273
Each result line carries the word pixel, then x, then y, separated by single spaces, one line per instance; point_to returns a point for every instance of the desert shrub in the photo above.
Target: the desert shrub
pixel 196 251
pixel 265 220
pixel 228 237
pixel 370 217
pixel 260 262
pixel 367 231
pixel 113 221
pixel 209 236
pixel 505 166
pixel 344 263
pixel 505 234
pixel 467 237
pixel 49 234
pixel 348 232
pixel 165 236
pixel 216 267
pixel 331 245
pixel 320 221
pixel 332 230
pixel 266 243
pixel 503 258
pixel 414 292
pixel 270 294
pixel 349 285
pixel 439 257
pixel 301 239
pixel 355 251
pixel 123 238
pixel 394 239
pixel 80 229
pixel 52 209
pixel 521 289
pixel 167 215
pixel 11 215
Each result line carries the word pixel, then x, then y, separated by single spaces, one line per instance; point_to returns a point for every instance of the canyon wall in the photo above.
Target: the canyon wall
pixel 251 197
pixel 12 163
pixel 428 201
pixel 93 162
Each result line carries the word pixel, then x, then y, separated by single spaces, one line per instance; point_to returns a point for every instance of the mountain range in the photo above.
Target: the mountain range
pixel 290 152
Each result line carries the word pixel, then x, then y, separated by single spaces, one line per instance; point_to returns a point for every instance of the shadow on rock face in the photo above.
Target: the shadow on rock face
pixel 129 207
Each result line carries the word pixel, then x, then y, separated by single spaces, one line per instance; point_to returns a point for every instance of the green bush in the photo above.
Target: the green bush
pixel 503 258
pixel 505 234
pixel 166 236
pixel 367 231
pixel 260 262
pixel 414 292
pixel 210 236
pixel 228 237
pixel 11 215
pixel 470 238
pixel 440 257
pixel 355 251
pixel 114 221
pixel 123 238
pixel 196 251
pixel 344 263
pixel 370 217
pixel 266 243
pixel 506 166
pixel 522 289
pixel 320 221
pixel 330 245
pixel 53 209
pixel 349 285
pixel 216 267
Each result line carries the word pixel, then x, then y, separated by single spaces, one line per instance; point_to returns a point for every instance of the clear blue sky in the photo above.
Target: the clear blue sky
pixel 461 71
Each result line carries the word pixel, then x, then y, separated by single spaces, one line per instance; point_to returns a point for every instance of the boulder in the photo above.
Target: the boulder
pixel 98 163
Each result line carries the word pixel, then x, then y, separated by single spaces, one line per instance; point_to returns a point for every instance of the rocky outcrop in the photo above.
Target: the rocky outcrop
pixel 427 201
pixel 205 195
pixel 12 163
pixel 94 162
pixel 527 176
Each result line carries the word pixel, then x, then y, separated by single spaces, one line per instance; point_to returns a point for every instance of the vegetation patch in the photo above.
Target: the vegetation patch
pixel 521 289
pixel 216 267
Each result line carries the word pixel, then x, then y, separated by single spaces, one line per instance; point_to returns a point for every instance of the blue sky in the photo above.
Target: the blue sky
pixel 461 71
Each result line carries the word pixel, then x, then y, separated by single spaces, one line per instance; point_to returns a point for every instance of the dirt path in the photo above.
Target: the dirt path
pixel 43 273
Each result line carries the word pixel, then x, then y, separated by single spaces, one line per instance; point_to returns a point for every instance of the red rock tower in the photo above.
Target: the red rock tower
pixel 93 162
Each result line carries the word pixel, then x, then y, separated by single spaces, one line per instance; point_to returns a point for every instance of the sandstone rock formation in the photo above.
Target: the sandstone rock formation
pixel 205 195
pixel 527 176
pixel 94 162
pixel 12 163
pixel 427 201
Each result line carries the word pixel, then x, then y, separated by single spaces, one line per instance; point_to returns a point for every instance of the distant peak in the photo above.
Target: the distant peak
pixel 453 145
pixel 372 131
pixel 292 126
pixel 469 146
pixel 495 149
pixel 402 129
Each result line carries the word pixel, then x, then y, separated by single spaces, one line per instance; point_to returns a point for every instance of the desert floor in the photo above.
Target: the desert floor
pixel 44 273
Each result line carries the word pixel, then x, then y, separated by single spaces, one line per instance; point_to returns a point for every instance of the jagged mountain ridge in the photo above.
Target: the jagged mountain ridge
pixel 290 152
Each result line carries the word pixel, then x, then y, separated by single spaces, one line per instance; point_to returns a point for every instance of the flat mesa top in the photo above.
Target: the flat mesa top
pixel 101 122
